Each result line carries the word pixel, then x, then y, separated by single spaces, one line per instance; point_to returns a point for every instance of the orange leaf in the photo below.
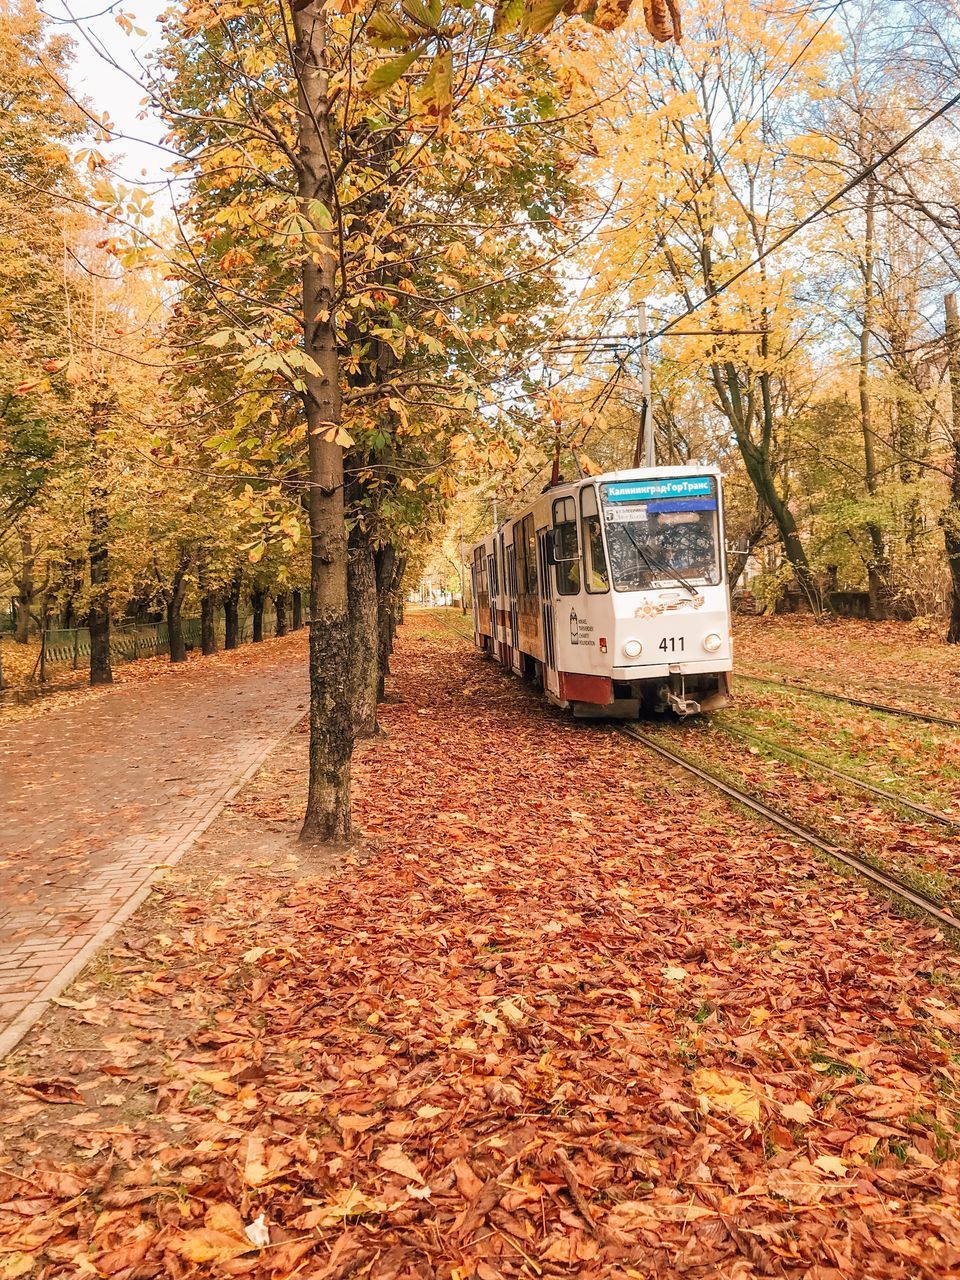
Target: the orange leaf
pixel 393 1159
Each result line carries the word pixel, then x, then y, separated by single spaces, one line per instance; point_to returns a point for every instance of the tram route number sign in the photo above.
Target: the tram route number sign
pixel 650 490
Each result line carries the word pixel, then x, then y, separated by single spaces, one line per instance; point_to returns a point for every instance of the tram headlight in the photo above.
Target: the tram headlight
pixel 712 642
pixel 632 648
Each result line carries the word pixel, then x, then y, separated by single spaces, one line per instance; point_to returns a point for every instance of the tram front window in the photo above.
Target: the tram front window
pixel 662 533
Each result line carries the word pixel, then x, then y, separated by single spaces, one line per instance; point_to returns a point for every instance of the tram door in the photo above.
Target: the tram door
pixel 551 681
pixel 512 596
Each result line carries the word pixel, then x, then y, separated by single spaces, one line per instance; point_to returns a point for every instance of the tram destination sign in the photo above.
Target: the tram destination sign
pixel 646 490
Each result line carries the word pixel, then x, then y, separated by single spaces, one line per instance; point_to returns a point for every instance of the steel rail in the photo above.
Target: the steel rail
pixel 852 860
pixel 926 716
pixel 934 815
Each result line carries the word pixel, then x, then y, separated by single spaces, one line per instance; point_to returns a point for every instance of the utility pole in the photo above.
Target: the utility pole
pixel 951 517
pixel 645 451
pixel 649 444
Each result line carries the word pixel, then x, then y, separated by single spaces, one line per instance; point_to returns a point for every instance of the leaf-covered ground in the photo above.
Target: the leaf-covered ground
pixel 892 662
pixel 22 698
pixel 561 1015
pixel 916 760
pixel 921 851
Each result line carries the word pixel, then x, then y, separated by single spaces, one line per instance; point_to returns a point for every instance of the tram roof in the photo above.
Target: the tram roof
pixel 606 477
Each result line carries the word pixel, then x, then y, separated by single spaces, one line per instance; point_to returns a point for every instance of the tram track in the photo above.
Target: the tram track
pixel 861 865
pixel 778 748
pixel 926 717
pixel 845 857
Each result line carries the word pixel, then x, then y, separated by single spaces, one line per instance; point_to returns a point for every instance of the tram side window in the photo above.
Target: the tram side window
pixel 520 559
pixel 594 561
pixel 566 549
pixel 480 576
pixel 530 550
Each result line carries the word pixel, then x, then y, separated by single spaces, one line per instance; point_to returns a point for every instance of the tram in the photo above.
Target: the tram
pixel 610 592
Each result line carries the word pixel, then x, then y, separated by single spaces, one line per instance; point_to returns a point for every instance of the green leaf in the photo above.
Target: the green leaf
pixel 388 73
pixel 436 93
pixel 320 215
pixel 508 15
pixel 427 15
pixel 386 31
pixel 540 15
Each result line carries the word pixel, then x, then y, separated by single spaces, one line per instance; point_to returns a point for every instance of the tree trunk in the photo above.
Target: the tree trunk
pixel 951 517
pixel 280 608
pixel 331 729
pixel 759 468
pixel 385 560
pixel 98 617
pixel 738 561
pixel 364 633
pixel 878 569
pixel 297 597
pixel 208 634
pixel 258 598
pixel 175 598
pixel 231 612
pixel 26 589
pixel 178 646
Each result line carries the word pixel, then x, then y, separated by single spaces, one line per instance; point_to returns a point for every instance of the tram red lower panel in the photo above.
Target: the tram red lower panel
pixel 578 688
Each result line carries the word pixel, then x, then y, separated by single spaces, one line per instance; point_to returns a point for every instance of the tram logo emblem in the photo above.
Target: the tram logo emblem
pixel 574 627
pixel 651 610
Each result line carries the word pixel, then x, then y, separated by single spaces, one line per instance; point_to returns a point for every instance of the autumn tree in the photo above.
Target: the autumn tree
pixel 38 126
pixel 362 182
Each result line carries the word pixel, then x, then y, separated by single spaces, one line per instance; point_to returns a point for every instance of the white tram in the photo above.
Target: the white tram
pixel 611 592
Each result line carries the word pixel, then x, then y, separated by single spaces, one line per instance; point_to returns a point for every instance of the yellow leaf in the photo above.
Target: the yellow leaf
pixel 407 483
pixel 218 1081
pixel 727 1093
pixel 348 1203
pixel 831 1164
pixel 255 1170
pixel 17 1264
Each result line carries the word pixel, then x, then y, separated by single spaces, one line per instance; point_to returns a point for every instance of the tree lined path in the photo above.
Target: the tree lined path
pixel 95 796
pixel 563 1014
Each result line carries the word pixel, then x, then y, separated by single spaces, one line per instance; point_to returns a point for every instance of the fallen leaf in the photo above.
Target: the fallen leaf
pixel 65 1003
pixel 225 1218
pixel 393 1159
pixel 55 1090
pixel 208 1245
pixel 797 1112
pixel 728 1094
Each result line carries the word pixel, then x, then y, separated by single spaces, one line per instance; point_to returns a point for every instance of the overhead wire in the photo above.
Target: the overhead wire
pixel 717 160
pixel 824 207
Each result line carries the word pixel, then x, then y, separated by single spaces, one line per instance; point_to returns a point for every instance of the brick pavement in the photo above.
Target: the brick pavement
pixel 97 797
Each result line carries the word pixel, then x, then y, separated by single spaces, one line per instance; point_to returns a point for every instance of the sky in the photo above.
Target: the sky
pixel 117 89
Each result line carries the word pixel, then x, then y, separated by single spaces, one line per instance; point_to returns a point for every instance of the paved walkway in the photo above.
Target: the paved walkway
pixel 96 797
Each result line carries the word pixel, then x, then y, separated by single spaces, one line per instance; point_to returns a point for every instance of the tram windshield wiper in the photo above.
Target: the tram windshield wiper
pixel 657 566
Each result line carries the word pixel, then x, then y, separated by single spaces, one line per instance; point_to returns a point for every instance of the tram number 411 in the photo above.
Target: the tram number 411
pixel 671 644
